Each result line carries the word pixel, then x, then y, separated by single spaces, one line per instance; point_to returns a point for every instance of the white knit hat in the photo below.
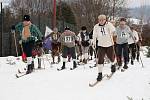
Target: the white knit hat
pixel 102 16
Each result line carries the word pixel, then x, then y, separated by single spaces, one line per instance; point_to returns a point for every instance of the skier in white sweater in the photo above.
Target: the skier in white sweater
pixel 103 32
pixel 132 41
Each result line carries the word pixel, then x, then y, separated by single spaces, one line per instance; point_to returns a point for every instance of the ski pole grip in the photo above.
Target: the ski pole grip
pixel 13 28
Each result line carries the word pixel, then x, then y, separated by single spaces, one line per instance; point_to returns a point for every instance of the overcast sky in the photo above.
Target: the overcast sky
pixel 137 3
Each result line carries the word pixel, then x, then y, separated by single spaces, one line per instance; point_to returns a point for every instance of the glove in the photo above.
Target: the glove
pixel 94 46
pixel 39 43
pixel 20 42
pixel 36 39
pixel 13 27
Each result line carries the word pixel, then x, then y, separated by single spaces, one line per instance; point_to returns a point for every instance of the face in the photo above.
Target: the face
pixel 102 21
pixel 122 24
pixel 83 31
pixel 55 30
pixel 26 23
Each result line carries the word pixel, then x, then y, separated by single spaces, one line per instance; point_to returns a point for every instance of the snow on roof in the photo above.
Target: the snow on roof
pixel 134 21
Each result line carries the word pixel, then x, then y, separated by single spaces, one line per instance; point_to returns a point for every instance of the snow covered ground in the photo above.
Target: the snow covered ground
pixel 50 84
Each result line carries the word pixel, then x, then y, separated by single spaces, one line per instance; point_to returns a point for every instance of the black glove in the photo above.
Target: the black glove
pixel 39 43
pixel 13 28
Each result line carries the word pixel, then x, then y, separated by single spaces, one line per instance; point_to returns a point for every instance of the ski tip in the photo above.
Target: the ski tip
pixel 90 85
pixel 19 71
pixel 17 76
pixel 122 70
pixel 59 69
pixel 90 67
pixel 71 68
pixel 94 84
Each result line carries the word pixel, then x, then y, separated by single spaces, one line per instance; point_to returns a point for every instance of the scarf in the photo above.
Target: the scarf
pixel 26 32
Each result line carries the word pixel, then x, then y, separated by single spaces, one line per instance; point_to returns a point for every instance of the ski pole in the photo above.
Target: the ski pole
pixel 46 56
pixel 137 49
pixel 113 47
pixel 14 35
pixel 24 57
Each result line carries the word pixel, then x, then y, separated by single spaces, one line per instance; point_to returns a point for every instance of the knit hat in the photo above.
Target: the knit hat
pixel 83 28
pixel 123 19
pixel 102 17
pixel 67 28
pixel 26 18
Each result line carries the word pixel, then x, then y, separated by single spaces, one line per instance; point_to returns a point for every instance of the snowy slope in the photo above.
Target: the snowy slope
pixel 50 84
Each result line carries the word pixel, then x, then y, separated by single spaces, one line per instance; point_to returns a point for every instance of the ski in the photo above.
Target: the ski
pixel 110 75
pixel 20 72
pixel 119 68
pixel 72 68
pixel 38 68
pixel 11 63
pixel 123 70
pixel 92 66
pixel 95 83
pixel 60 69
pixel 18 76
pixel 80 63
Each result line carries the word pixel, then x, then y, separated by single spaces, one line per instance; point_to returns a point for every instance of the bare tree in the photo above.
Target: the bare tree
pixel 86 11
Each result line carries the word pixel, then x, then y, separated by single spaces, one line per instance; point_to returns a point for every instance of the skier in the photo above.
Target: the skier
pixel 55 44
pixel 122 35
pixel 138 45
pixel 91 50
pixel 78 49
pixel 29 34
pixel 103 33
pixel 67 40
pixel 84 41
pixel 132 41
pixel 114 39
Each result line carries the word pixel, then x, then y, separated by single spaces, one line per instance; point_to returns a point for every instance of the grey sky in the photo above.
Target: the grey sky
pixel 137 3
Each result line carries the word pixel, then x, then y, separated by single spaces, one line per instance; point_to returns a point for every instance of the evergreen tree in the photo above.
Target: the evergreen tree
pixel 65 13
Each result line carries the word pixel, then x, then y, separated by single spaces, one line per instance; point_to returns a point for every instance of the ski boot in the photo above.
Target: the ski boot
pixel 85 61
pixel 91 58
pixel 29 69
pixel 58 59
pixel 113 68
pixel 132 63
pixel 74 65
pixel 63 67
pixel 99 77
pixel 124 68
pixel 39 63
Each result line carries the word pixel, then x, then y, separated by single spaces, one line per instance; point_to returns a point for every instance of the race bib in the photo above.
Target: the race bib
pixel 55 36
pixel 86 38
pixel 68 39
pixel 123 35
pixel 104 31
